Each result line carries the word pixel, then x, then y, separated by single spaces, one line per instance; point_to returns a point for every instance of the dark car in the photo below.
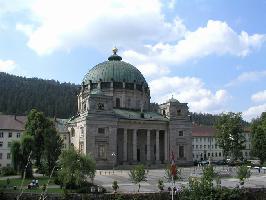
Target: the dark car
pixel 220 162
pixel 234 163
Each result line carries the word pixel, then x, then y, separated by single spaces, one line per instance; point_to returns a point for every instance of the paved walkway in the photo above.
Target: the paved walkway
pixel 106 178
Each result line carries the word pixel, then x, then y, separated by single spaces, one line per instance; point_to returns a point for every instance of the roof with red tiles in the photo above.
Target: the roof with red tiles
pixel 203 131
pixel 12 122
pixel 208 131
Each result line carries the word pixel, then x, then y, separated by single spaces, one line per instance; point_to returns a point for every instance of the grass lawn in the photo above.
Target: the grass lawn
pixel 39 190
pixel 17 182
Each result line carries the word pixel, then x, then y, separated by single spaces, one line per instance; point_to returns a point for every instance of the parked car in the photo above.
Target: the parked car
pixel 235 162
pixel 204 162
pixel 220 162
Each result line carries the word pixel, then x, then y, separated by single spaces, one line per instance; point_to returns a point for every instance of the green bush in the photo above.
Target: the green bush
pixel 8 171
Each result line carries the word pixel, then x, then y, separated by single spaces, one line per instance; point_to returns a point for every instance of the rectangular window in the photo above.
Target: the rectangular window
pixel 18 135
pixel 9 144
pixel 117 103
pixel 1 143
pixel 208 146
pixel 101 151
pixel 81 132
pixel 65 137
pixel 101 130
pixel 209 154
pixel 1 155
pixel 72 132
pixel 192 146
pixel 181 152
pixel 200 146
pixel 8 155
pixel 1 134
pixel 196 146
pixel 220 154
pixel 215 154
pixel 178 112
pixel 181 133
pixel 145 149
pixel 10 134
pixel 204 146
pixel 81 146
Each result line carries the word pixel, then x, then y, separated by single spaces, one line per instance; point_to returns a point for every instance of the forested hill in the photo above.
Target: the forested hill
pixel 18 95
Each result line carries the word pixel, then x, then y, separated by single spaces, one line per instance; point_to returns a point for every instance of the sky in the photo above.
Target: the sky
pixel 209 54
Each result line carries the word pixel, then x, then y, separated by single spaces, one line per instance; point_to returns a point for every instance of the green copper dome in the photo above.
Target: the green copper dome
pixel 114 70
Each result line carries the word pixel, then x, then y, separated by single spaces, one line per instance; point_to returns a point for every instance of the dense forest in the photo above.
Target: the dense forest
pixel 18 95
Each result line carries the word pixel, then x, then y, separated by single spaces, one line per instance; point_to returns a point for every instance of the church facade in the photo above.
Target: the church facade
pixel 114 123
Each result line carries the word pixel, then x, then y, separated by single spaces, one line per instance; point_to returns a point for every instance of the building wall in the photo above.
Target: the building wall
pixel 5 145
pixel 207 145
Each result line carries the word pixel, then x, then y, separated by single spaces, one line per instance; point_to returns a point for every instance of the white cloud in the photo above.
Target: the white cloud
pixel 61 25
pixel 259 96
pixel 247 77
pixel 191 90
pixel 254 112
pixel 171 4
pixel 7 65
pixel 216 38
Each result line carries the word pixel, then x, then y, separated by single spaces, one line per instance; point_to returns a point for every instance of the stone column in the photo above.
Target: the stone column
pixel 166 157
pixel 125 146
pixel 157 147
pixel 148 146
pixel 134 142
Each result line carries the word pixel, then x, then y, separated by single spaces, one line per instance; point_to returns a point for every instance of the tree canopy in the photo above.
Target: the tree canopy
pixel 40 141
pixel 258 137
pixel 75 166
pixel 229 134
pixel 138 174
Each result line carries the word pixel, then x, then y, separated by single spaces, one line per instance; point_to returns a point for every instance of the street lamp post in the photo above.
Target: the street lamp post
pixel 113 155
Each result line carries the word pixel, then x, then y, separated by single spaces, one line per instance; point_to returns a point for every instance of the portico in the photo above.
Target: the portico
pixel 148 146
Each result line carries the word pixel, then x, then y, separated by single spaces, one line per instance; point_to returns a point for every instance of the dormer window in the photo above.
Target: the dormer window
pixel 178 112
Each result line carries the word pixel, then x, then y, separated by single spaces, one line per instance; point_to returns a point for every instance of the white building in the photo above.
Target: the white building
pixel 11 128
pixel 61 128
pixel 204 144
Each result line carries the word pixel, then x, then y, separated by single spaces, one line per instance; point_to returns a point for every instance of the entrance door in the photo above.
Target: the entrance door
pixel 138 155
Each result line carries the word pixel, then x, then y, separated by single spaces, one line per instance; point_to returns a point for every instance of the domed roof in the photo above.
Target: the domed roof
pixel 114 70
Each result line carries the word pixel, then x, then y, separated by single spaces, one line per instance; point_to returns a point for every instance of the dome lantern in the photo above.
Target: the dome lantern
pixel 115 56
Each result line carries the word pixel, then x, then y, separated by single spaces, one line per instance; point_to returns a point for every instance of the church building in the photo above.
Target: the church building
pixel 116 126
